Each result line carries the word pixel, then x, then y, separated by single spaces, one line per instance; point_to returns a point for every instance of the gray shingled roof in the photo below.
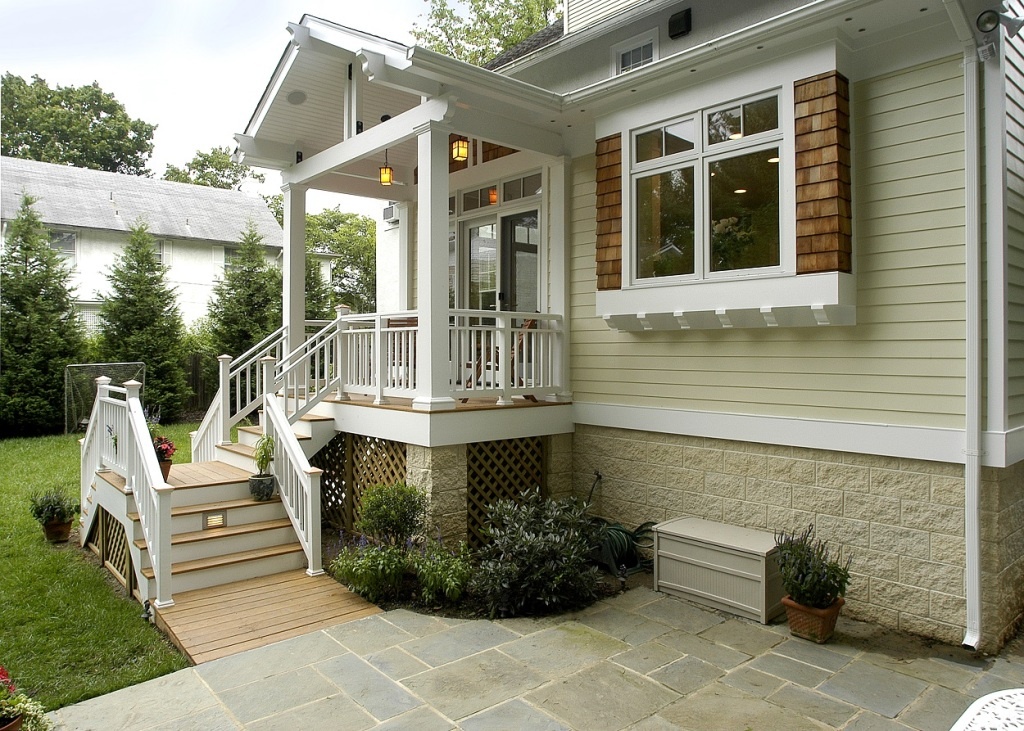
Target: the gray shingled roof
pixel 543 37
pixel 82 198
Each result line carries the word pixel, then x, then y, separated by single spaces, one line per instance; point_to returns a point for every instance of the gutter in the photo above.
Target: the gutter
pixel 972 257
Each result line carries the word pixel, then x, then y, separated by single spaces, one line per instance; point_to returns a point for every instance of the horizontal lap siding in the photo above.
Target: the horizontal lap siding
pixel 1015 231
pixel 901 364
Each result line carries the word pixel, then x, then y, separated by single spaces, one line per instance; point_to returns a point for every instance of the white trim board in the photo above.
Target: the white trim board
pixel 910 442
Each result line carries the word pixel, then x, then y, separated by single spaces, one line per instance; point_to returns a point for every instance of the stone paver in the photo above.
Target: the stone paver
pixel 640 660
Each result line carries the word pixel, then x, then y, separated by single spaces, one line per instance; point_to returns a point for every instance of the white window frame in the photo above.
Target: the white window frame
pixel 631 44
pixel 68 255
pixel 700 158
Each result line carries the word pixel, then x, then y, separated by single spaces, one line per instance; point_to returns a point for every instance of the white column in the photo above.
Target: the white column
pixel 294 310
pixel 432 271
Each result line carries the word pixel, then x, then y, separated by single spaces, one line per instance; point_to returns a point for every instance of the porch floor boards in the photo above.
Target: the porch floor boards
pixel 472 404
pixel 207 624
pixel 190 474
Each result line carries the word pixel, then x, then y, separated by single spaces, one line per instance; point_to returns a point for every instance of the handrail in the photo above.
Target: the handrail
pixel 298 482
pixel 92 458
pixel 306 375
pixel 127 449
pixel 243 387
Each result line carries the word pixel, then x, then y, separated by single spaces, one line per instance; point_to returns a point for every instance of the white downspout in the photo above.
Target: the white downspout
pixel 972 256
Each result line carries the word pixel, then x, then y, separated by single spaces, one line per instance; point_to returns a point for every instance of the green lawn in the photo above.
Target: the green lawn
pixel 67 634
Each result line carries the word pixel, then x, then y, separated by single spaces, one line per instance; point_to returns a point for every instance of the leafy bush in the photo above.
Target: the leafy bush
pixel 442 573
pixel 810 574
pixel 392 514
pixel 372 571
pixel 54 504
pixel 538 558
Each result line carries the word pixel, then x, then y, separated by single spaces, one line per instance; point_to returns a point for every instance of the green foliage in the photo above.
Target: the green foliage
pixel 140 320
pixel 318 292
pixel 40 331
pixel 214 169
pixel 263 453
pixel 54 504
pixel 198 342
pixel 442 573
pixel 246 303
pixel 82 126
pixel 392 514
pixel 52 652
pixel 810 574
pixel 372 571
pixel 489 28
pixel 538 558
pixel 353 238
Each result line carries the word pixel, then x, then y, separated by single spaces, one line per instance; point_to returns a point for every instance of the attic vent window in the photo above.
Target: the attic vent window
pixel 634 53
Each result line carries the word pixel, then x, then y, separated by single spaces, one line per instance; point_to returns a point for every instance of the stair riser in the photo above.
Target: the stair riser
pixel 232 544
pixel 236 516
pixel 234 459
pixel 238 572
pixel 210 494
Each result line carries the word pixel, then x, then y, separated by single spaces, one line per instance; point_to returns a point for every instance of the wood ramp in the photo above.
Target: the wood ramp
pixel 222 620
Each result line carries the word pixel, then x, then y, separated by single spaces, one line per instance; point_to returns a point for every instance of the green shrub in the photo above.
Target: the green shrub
pixel 810 574
pixel 392 514
pixel 54 504
pixel 538 558
pixel 371 571
pixel 442 573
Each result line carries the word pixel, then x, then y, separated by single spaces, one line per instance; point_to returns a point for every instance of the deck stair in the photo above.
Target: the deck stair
pixel 312 431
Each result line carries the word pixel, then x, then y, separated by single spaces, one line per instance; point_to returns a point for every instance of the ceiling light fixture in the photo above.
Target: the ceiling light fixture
pixel 296 97
pixel 387 174
pixel 460 150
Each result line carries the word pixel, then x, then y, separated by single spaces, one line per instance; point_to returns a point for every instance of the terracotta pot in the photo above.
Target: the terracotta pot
pixel 165 468
pixel 56 532
pixel 811 623
pixel 12 725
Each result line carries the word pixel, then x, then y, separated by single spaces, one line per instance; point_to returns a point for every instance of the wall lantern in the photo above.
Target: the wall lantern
pixel 387 174
pixel 460 150
pixel 492 196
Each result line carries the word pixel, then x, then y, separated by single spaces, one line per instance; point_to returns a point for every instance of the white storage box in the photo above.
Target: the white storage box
pixel 721 566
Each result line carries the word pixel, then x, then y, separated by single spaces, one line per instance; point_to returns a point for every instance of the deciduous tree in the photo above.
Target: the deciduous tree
pixel 40 331
pixel 353 238
pixel 140 321
pixel 214 169
pixel 82 126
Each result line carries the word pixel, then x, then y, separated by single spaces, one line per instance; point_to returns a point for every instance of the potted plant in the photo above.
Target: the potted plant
pixel 261 485
pixel 17 710
pixel 55 510
pixel 164 448
pixel 815 582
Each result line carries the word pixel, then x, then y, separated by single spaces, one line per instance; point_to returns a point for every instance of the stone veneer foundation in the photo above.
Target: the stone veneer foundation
pixel 901 520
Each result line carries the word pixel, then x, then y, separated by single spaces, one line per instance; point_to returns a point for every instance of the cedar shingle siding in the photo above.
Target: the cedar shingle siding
pixel 609 213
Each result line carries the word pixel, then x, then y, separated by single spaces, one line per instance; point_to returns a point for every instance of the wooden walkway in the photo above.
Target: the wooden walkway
pixel 210 623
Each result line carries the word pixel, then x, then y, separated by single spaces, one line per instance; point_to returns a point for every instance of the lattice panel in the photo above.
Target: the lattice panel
pixel 500 470
pixel 374 462
pixel 109 542
pixel 331 459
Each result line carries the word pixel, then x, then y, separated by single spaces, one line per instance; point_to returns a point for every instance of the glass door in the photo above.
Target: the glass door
pixel 519 272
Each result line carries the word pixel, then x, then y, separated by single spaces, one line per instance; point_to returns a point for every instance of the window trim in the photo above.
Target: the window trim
pixel 66 255
pixel 638 41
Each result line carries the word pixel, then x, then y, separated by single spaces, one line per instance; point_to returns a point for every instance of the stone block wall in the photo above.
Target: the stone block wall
pixel 441 471
pixel 1002 551
pixel 901 520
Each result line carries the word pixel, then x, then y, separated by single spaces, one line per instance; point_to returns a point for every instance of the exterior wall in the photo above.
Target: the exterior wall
pixel 901 364
pixel 1002 551
pixel 441 471
pixel 581 13
pixel 1014 226
pixel 901 520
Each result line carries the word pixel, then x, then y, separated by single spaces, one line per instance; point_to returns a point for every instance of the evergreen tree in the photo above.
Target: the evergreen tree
pixel 246 303
pixel 318 292
pixel 40 331
pixel 140 321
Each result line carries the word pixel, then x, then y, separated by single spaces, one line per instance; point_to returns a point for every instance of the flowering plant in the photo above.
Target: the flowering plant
pixel 164 448
pixel 14 704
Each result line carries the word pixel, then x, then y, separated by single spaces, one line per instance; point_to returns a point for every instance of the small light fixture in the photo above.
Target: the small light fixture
pixel 989 20
pixel 387 174
pixel 460 150
pixel 296 97
pixel 740 191
pixel 492 196
pixel 773 160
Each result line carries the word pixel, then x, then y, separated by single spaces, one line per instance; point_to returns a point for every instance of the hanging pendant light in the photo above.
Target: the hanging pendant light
pixel 460 150
pixel 387 174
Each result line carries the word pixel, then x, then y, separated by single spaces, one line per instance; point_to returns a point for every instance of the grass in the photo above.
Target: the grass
pixel 66 633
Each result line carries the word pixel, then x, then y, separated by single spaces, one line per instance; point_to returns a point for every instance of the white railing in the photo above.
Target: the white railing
pixel 298 482
pixel 393 336
pixel 118 439
pixel 306 375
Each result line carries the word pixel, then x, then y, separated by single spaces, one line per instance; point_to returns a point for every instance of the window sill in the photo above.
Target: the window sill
pixel 784 301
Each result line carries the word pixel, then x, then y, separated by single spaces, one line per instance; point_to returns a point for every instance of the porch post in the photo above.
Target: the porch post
pixel 294 309
pixel 432 383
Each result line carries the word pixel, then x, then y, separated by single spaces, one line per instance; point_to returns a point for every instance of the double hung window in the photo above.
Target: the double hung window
pixel 705 193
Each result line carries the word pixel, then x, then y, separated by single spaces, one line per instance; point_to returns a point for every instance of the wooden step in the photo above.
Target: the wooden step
pixel 185 567
pixel 259 432
pixel 214 533
pixel 220 505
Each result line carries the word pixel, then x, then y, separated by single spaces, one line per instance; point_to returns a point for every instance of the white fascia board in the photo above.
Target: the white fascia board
pixel 263 153
pixel 270 93
pixel 507 131
pixel 397 129
pixel 351 39
pixel 382 70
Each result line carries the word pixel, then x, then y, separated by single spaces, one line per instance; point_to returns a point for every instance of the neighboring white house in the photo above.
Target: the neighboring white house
pixel 89 214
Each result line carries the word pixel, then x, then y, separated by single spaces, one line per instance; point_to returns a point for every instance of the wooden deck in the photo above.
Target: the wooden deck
pixel 210 623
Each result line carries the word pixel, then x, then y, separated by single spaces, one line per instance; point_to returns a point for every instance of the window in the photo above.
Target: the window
pixel 706 193
pixel 64 243
pixel 160 248
pixel 634 53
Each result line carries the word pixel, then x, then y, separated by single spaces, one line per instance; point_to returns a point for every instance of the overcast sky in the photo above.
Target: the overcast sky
pixel 194 68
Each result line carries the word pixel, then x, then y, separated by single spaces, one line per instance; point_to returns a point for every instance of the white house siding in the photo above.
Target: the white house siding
pixel 901 364
pixel 581 13
pixel 1014 69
